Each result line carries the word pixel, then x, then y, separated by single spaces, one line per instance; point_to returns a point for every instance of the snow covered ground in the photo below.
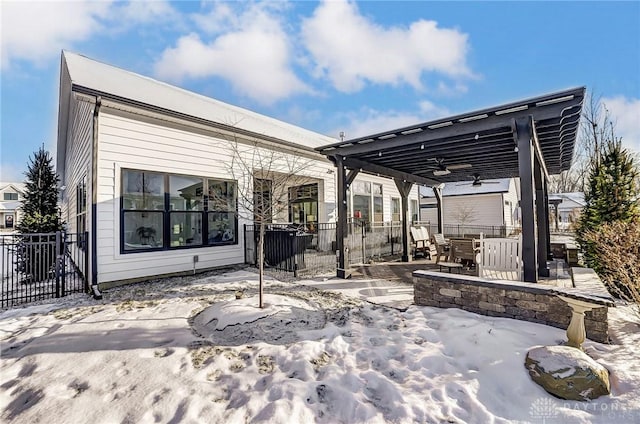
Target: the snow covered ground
pixel 184 350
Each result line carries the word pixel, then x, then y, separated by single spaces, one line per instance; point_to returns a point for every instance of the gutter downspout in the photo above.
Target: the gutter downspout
pixel 94 202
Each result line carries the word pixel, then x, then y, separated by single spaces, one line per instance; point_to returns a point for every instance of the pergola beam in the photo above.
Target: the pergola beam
pixel 488 124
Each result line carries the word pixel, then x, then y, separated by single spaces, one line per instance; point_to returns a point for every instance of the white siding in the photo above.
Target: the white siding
pixel 77 166
pixel 78 158
pixel 429 214
pixel 511 215
pixel 137 142
pixel 479 209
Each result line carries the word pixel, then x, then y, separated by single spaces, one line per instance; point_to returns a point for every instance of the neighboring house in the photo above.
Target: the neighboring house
pixel 139 161
pixel 489 203
pixel 569 208
pixel 11 195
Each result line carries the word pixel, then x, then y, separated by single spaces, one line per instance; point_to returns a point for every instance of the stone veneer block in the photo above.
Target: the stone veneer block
pixel 450 292
pixel 491 307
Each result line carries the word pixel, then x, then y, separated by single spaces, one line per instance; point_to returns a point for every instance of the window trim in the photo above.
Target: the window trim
pixel 166 214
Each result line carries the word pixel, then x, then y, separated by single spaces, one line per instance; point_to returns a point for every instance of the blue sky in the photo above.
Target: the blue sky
pixel 357 67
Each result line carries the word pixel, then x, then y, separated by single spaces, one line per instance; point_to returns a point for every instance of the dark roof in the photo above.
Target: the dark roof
pixel 482 142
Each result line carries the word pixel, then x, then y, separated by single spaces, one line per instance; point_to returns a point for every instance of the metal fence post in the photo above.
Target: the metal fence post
pixel 58 263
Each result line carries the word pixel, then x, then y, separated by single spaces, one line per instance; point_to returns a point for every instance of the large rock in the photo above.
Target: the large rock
pixel 567 372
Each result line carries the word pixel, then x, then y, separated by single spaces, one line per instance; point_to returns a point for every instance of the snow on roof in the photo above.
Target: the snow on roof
pixel 104 78
pixel 10 206
pixel 465 188
pixel 17 186
pixel 576 197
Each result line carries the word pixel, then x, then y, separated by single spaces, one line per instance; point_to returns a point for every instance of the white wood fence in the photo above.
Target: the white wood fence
pixel 500 258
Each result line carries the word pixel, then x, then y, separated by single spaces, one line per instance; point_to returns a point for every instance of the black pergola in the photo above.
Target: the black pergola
pixel 530 139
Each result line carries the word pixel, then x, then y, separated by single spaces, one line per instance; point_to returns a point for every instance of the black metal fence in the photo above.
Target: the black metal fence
pixel 41 266
pixel 296 249
pixel 471 231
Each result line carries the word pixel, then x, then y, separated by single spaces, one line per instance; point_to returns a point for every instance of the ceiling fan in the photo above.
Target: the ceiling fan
pixel 446 169
pixel 477 182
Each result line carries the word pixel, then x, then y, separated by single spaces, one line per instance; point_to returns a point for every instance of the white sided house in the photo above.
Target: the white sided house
pixel 569 208
pixel 488 203
pixel 11 196
pixel 149 173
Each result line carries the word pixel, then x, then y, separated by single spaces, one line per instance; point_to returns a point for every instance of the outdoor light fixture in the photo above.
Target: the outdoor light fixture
pixel 440 172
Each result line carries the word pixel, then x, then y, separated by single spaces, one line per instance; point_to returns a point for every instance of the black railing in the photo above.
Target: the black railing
pixel 41 266
pixel 291 248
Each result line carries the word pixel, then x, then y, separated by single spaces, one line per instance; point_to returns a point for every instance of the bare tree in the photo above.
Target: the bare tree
pixel 596 128
pixel 466 214
pixel 264 177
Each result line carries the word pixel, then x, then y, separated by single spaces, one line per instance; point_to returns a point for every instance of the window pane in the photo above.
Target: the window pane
pixel 361 187
pixel 185 228
pixel 142 230
pixel 222 227
pixel 143 190
pixel 395 209
pixel 377 189
pixel 362 207
pixel 222 195
pixel 377 209
pixel 186 193
pixel 414 210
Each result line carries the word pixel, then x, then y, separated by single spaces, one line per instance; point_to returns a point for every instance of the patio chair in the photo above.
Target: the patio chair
pixel 420 242
pixel 442 246
pixel 464 251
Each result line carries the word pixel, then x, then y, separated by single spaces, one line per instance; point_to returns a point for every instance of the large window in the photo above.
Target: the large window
pixel 10 196
pixel 162 211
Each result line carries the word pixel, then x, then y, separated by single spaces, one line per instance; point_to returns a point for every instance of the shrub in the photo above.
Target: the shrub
pixel 616 258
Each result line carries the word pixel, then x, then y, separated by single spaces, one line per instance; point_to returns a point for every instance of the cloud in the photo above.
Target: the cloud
pixel 351 50
pixel 253 52
pixel 145 12
pixel 36 31
pixel 625 114
pixel 370 121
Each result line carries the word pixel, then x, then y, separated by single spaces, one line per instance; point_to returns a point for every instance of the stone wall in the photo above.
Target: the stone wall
pixel 524 301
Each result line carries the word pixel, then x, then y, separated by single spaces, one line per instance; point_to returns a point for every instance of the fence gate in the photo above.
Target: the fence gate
pixel 41 266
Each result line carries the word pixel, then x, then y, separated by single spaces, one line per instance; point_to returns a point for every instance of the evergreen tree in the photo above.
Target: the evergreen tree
pixel 612 195
pixel 40 203
pixel 40 214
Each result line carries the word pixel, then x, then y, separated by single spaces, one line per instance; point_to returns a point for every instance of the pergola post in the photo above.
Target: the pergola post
pixel 523 137
pixel 555 203
pixel 404 188
pixel 344 180
pixel 437 191
pixel 542 218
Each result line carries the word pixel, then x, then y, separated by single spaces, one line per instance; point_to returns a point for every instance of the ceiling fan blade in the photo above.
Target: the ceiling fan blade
pixel 459 166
